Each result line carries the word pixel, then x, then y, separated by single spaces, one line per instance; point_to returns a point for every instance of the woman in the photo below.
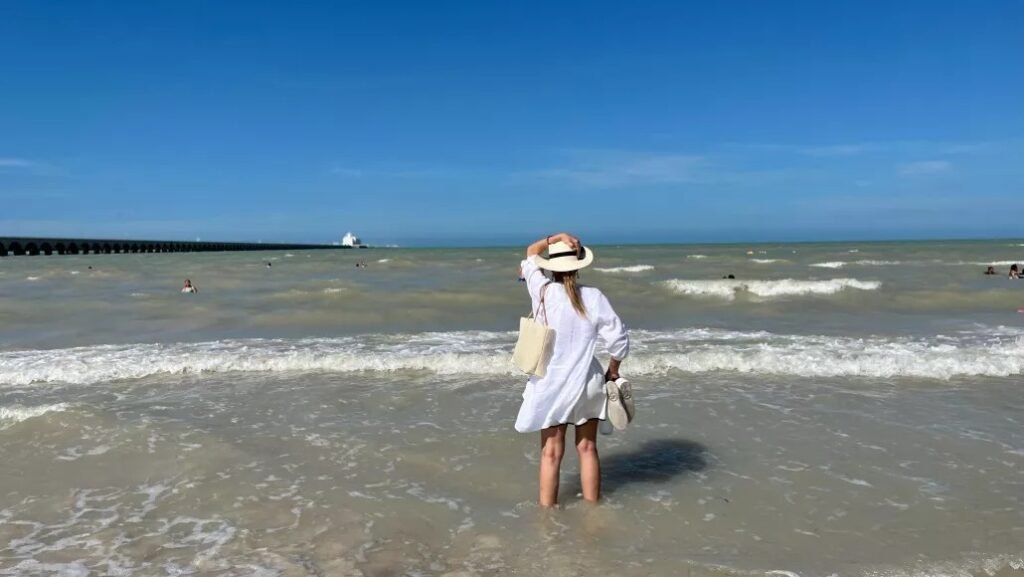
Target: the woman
pixel 189 287
pixel 572 389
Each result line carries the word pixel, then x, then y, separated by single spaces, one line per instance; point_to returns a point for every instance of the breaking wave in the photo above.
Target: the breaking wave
pixel 991 263
pixel 729 288
pixel 868 262
pixel 831 264
pixel 625 269
pixel 995 352
pixel 15 414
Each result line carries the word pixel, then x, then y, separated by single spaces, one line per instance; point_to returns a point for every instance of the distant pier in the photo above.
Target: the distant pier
pixel 28 246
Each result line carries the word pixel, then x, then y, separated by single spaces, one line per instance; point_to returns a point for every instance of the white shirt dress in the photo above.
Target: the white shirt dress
pixel 572 389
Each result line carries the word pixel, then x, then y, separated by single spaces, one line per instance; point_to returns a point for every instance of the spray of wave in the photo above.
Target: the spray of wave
pixel 980 353
pixel 767 289
pixel 626 269
pixel 697 256
pixel 766 260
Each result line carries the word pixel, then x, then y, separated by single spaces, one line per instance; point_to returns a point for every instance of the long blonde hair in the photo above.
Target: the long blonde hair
pixel 569 280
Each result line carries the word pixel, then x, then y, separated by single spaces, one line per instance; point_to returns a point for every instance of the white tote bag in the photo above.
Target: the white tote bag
pixel 535 343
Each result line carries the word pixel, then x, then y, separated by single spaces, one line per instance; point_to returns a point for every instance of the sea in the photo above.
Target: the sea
pixel 837 409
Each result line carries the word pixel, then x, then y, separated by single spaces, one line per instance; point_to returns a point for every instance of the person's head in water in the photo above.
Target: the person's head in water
pixel 188 283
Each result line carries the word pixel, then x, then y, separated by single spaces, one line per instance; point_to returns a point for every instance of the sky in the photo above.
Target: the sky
pixel 436 123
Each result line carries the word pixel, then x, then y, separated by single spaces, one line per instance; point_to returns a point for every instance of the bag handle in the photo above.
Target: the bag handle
pixel 542 305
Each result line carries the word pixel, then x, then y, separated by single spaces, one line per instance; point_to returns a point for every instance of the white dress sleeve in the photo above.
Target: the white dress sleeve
pixel 612 331
pixel 535 279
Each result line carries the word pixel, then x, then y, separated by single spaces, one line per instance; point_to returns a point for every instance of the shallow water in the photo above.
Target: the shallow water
pixel 316 419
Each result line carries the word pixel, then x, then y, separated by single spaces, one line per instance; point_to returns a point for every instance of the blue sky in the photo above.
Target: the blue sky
pixel 487 122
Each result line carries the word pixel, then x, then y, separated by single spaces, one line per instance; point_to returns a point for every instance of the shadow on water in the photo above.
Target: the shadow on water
pixel 654 461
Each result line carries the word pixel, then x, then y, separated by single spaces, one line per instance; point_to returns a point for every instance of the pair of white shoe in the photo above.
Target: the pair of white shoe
pixel 621 408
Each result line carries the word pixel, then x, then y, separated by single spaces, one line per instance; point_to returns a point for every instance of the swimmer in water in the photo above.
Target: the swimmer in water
pixel 189 287
pixel 1014 272
pixel 990 271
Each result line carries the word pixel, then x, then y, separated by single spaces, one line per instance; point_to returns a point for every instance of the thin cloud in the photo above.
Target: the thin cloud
pixel 405 171
pixel 924 168
pixel 13 164
pixel 16 163
pixel 851 149
pixel 347 171
pixel 815 150
pixel 834 150
pixel 611 169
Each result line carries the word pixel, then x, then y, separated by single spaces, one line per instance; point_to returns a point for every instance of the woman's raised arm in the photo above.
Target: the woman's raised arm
pixel 539 246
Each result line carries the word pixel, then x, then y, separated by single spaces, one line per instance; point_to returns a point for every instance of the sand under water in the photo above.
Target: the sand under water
pixel 312 418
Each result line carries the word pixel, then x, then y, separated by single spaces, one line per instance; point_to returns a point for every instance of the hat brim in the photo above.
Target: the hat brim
pixel 565 264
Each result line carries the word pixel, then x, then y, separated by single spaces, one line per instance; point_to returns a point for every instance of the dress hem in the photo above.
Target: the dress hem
pixel 579 424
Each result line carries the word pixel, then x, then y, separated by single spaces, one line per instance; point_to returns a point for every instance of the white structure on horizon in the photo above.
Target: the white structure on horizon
pixel 350 240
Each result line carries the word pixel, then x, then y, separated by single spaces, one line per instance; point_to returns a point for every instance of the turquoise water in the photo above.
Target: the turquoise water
pixel 840 408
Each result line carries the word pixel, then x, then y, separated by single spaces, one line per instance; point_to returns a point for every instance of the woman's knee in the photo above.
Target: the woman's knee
pixel 552 450
pixel 552 444
pixel 586 447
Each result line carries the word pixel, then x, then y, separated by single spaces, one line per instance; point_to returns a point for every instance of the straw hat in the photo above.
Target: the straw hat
pixel 564 258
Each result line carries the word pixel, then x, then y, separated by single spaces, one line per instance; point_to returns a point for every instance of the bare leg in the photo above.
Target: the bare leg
pixel 590 463
pixel 552 447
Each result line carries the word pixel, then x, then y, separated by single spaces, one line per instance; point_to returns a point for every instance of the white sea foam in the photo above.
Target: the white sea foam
pixel 979 353
pixel 766 289
pixel 16 413
pixel 868 262
pixel 383 260
pixel 871 262
pixel 31 278
pixel 765 260
pixel 991 262
pixel 697 256
pixel 626 269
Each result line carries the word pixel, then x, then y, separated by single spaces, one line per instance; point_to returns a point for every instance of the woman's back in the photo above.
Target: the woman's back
pixel 576 334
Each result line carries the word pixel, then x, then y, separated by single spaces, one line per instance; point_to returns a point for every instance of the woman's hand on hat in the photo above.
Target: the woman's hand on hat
pixel 544 243
pixel 567 238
